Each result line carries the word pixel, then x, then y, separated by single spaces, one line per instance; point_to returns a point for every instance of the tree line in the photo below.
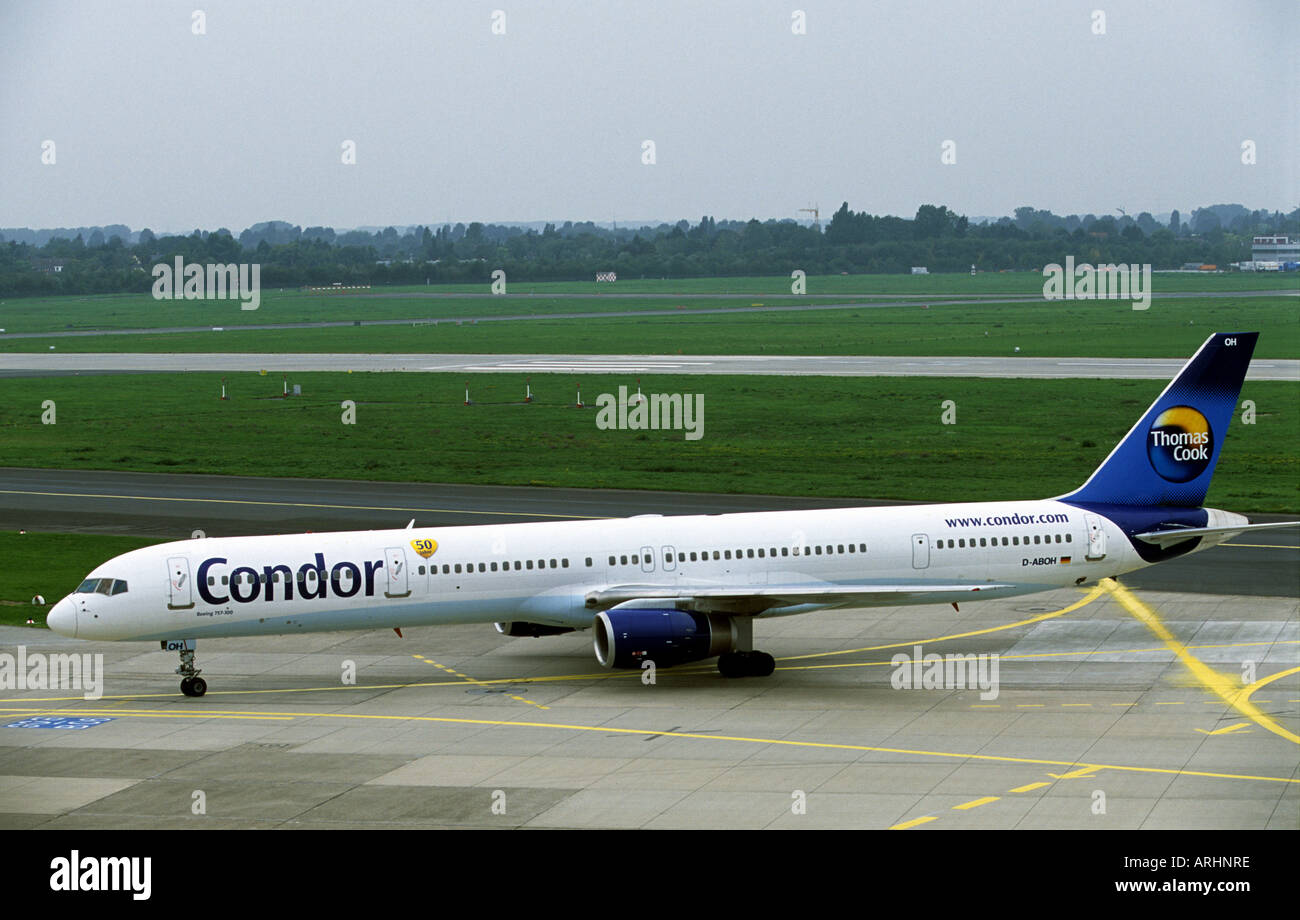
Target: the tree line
pixel 852 242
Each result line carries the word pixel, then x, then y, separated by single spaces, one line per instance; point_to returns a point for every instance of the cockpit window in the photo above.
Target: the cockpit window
pixel 106 586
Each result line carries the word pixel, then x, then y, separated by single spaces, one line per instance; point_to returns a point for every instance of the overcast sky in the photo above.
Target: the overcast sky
pixel 153 125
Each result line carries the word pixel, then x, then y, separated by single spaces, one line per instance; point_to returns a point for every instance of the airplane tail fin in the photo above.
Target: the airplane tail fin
pixel 1168 457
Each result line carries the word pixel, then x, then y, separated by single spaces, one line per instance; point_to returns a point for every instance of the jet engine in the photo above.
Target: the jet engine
pixel 625 638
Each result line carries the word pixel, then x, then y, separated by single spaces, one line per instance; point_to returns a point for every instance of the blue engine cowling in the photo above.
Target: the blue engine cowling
pixel 626 638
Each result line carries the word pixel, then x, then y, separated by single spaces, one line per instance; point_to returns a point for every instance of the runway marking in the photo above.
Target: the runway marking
pixel 1076 774
pixel 976 803
pixel 1262 545
pixel 471 680
pixel 237 501
pixel 698 736
pixel 1223 731
pixel 913 823
pixel 1222 685
pixel 1091 596
pixel 1029 787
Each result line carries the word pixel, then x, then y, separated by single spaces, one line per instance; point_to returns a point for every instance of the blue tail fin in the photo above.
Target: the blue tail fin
pixel 1168 457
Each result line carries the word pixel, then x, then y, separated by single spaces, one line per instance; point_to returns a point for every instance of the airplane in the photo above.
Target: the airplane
pixel 678 589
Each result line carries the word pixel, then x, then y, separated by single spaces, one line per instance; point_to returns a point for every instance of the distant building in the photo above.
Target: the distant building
pixel 920 270
pixel 1274 249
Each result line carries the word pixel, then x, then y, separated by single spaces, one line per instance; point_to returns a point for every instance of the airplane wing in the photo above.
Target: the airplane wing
pixel 757 598
pixel 1178 534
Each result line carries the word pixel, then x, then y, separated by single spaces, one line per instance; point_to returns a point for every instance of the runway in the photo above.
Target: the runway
pixel 172 506
pixel 1096 723
pixel 71 364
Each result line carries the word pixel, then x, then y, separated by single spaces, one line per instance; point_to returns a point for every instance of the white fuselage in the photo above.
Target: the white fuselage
pixel 542 572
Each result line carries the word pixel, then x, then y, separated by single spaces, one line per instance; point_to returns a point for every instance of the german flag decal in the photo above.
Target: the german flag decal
pixel 1065 560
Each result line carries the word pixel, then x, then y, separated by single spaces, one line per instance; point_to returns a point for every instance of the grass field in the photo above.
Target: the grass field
pixel 846 437
pixel 1172 328
pixel 50 565
pixel 141 311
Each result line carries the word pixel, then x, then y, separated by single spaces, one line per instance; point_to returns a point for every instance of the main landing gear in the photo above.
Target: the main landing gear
pixel 191 683
pixel 744 661
pixel 746 664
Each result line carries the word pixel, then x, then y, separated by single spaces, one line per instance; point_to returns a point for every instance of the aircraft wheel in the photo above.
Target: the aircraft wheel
pixel 732 664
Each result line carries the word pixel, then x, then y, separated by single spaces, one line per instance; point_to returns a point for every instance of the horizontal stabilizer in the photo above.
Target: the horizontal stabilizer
pixel 1178 534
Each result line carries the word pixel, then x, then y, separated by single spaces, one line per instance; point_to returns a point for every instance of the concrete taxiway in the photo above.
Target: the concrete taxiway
pixel 71 364
pixel 1097 722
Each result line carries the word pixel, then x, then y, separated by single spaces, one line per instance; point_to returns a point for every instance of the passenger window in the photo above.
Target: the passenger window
pixel 726 554
pixel 588 562
pixel 529 563
pixel 482 567
pixel 552 563
pixel 1068 538
pixel 760 552
pixel 564 563
pixel 785 551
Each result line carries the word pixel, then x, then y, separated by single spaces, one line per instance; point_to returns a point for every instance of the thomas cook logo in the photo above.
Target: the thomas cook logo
pixel 425 548
pixel 1180 443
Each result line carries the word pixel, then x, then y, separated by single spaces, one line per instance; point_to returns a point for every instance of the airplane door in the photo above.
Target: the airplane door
pixel 647 559
pixel 398 584
pixel 180 591
pixel 1096 537
pixel 920 551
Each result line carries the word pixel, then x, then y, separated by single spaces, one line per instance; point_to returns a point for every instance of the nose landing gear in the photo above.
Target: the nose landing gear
pixel 191 683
